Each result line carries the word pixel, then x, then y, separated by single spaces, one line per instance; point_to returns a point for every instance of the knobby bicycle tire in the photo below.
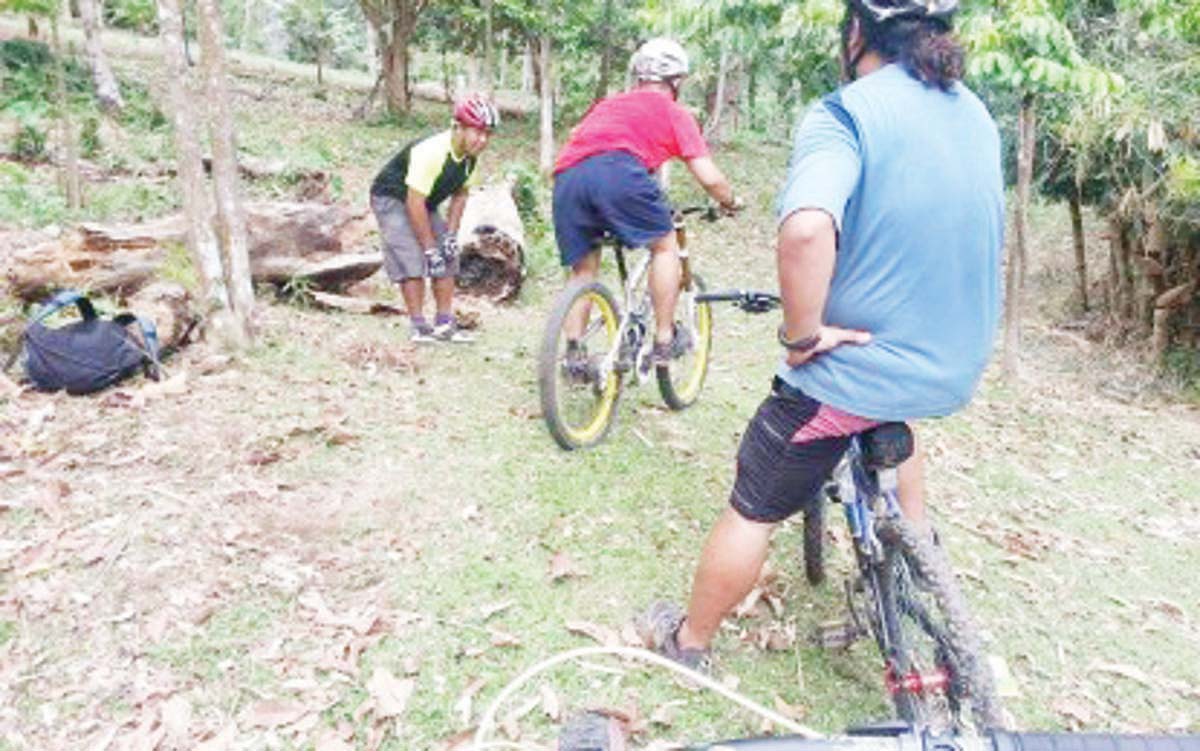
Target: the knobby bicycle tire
pixel 951 630
pixel 685 394
pixel 568 436
pixel 814 540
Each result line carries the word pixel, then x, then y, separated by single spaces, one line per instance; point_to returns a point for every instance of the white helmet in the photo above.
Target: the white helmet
pixel 660 59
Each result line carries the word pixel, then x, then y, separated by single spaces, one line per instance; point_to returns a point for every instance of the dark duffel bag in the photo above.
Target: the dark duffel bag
pixel 90 354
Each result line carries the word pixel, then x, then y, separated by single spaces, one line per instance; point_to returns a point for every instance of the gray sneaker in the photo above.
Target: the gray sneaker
pixel 421 334
pixel 680 344
pixel 659 629
pixel 450 332
pixel 578 367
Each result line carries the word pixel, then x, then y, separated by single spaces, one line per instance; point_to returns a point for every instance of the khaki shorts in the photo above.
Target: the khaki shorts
pixel 403 256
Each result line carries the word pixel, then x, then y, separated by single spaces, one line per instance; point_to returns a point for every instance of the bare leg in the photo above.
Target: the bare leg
pixel 910 478
pixel 665 275
pixel 728 570
pixel 584 270
pixel 413 292
pixel 443 294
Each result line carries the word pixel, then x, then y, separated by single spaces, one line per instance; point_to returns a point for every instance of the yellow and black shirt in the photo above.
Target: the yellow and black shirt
pixel 428 166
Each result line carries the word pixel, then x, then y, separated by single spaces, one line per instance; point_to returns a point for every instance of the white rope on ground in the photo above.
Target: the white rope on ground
pixel 488 721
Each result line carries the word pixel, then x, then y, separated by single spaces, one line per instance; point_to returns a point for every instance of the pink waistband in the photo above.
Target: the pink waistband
pixel 831 422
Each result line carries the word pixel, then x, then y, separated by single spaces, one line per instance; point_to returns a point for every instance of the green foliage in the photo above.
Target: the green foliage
pixel 322 31
pixel 135 15
pixel 28 93
pixel 1184 365
pixel 29 143
pixel 27 202
pixel 527 188
pixel 1028 50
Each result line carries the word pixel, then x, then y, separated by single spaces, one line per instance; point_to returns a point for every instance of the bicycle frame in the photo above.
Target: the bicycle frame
pixel 864 495
pixel 634 299
pixel 867 495
pixel 633 312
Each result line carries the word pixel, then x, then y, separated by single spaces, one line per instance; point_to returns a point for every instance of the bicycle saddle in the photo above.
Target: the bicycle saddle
pixel 886 446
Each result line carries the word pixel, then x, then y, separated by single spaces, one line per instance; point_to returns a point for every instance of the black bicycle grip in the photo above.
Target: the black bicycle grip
pixel 1005 741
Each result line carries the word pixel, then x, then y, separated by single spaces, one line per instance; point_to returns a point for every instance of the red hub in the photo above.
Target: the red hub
pixel 915 682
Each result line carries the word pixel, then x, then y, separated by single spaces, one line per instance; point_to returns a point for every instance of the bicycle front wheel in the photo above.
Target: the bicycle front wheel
pixel 577 369
pixel 681 381
pixel 814 539
pixel 937 675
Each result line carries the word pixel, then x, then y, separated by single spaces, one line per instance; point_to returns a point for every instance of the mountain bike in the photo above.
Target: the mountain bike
pixel 594 732
pixel 902 593
pixel 580 378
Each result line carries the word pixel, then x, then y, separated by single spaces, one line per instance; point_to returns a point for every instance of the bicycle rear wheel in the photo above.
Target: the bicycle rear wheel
pixel 579 383
pixel 937 675
pixel 681 381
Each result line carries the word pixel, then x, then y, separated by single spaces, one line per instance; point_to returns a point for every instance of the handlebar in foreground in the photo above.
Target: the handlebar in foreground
pixel 993 741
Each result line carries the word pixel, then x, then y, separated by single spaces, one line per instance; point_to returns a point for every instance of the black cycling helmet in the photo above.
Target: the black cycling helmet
pixel 880 11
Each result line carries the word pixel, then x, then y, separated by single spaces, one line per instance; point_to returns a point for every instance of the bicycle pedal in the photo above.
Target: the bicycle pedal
pixel 838 634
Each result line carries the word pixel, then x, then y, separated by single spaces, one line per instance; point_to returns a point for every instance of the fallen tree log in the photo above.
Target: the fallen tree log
pixel 335 272
pixel 356 305
pixel 492 239
pixel 322 243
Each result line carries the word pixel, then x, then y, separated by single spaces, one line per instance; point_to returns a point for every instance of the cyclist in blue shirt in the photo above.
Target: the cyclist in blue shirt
pixel 889 248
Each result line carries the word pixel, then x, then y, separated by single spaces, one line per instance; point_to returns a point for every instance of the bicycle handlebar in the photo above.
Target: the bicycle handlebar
pixel 749 301
pixel 711 213
pixel 996 740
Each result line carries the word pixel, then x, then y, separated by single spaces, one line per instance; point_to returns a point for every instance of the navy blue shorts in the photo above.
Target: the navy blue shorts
pixel 610 192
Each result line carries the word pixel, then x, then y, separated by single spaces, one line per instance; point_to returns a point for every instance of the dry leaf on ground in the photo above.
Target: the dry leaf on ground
pixel 464 706
pixel 563 567
pixel 273 713
pixel 600 634
pixel 391 694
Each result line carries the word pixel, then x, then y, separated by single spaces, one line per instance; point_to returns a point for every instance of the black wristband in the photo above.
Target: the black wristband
pixel 807 344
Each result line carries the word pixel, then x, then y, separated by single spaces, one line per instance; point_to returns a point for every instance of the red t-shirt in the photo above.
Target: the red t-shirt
pixel 648 124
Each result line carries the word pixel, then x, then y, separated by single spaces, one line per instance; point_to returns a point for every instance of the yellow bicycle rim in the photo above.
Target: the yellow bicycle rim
pixel 607 399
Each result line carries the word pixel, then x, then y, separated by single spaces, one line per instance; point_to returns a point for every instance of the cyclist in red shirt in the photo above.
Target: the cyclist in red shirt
pixel 605 182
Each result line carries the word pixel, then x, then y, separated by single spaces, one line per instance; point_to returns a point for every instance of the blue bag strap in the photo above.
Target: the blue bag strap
pixel 149 338
pixel 61 300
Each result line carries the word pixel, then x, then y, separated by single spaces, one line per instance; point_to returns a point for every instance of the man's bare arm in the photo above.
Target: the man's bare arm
pixel 714 182
pixel 806 255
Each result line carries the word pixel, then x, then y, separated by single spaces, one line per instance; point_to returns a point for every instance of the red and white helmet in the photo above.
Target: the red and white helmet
pixel 660 59
pixel 477 111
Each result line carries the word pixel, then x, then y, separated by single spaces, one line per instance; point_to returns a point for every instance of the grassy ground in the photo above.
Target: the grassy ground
pixel 341 541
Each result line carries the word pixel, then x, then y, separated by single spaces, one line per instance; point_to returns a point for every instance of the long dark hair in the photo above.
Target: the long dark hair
pixel 926 47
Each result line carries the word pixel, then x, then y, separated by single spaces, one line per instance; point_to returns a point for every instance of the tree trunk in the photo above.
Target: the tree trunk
pixel 502 68
pixel 1081 280
pixel 546 139
pixel 247 21
pixel 230 219
pixel 1014 281
pixel 200 240
pixel 752 94
pixel 718 106
pixel 70 165
pixel 1027 126
pixel 107 91
pixel 528 70
pixel 605 50
pixel 489 51
pixel 399 17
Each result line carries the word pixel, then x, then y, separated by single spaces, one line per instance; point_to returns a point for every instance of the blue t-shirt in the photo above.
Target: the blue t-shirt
pixel 911 176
